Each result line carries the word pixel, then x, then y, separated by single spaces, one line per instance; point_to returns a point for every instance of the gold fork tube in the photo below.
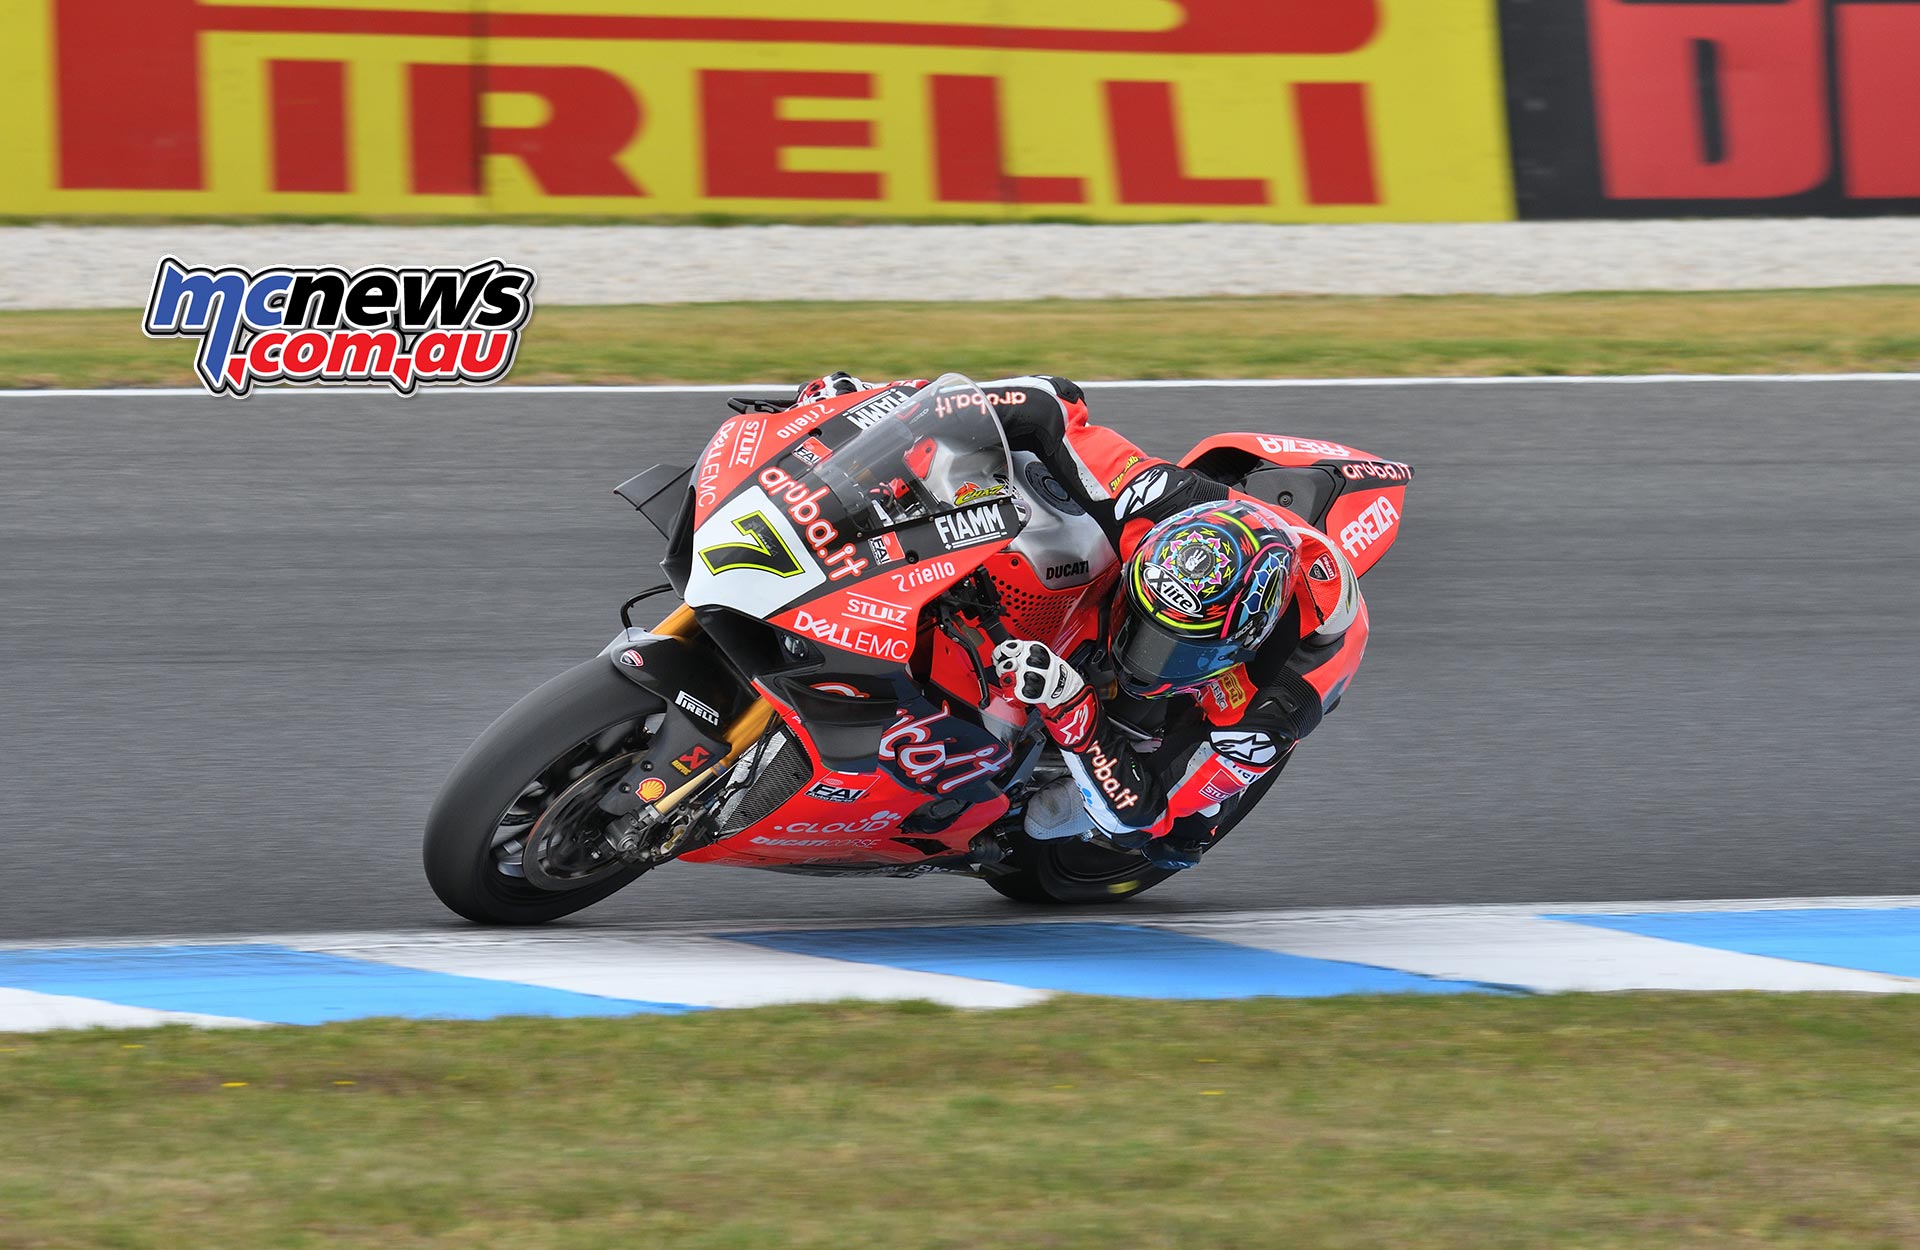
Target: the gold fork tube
pixel 747 728
pixel 678 623
pixel 741 734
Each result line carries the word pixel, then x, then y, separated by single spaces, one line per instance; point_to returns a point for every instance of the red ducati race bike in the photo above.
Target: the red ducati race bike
pixel 822 701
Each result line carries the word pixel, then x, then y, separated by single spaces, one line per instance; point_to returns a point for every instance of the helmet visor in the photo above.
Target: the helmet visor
pixel 1150 661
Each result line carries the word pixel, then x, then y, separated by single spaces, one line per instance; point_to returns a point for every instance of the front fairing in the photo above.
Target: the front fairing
pixel 838 524
pixel 846 531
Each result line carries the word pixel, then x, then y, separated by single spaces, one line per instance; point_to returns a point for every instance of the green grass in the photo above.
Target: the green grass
pixel 1853 330
pixel 1474 1123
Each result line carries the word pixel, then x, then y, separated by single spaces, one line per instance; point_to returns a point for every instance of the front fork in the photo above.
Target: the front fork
pixel 657 660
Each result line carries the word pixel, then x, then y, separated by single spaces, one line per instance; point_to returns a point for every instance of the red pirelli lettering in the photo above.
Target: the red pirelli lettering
pixel 1146 152
pixel 1336 146
pixel 592 117
pixel 309 107
pixel 746 136
pixel 969 159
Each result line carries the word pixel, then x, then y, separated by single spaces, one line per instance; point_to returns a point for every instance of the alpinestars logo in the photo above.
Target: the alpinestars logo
pixel 1246 746
pixel 1144 489
pixel 406 328
pixel 1073 725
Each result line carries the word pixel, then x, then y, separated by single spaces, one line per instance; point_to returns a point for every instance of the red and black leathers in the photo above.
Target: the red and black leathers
pixel 1189 762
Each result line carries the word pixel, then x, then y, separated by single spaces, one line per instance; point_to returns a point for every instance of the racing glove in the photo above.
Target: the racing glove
pixel 841 383
pixel 1040 679
pixel 1120 792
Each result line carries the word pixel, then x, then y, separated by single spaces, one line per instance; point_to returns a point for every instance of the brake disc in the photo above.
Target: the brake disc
pixel 573 844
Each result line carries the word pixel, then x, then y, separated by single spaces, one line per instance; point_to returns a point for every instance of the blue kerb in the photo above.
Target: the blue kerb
pixel 1124 960
pixel 278 985
pixel 1871 940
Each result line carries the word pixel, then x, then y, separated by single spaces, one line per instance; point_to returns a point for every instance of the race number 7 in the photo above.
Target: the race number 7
pixel 762 550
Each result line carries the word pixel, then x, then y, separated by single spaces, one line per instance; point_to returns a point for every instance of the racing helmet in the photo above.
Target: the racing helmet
pixel 1201 592
pixel 841 383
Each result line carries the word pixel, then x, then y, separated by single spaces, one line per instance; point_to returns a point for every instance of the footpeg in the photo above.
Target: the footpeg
pixel 986 849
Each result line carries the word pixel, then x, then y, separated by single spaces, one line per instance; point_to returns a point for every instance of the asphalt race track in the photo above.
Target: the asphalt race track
pixel 1635 642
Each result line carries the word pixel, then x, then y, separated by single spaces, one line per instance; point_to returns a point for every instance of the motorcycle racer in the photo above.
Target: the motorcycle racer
pixel 1239 627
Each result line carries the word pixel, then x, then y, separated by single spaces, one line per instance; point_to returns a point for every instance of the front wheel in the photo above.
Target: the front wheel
pixel 532 775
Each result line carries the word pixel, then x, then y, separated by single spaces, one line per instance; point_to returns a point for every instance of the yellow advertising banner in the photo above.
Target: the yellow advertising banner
pixel 1109 110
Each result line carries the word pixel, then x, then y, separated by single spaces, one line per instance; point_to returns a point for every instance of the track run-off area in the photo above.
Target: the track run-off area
pixel 1642 639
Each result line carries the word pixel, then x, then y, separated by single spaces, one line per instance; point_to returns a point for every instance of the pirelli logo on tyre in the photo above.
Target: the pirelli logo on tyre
pixel 1117 110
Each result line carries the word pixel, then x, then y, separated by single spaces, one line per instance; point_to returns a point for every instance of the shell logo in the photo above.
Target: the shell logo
pixel 651 789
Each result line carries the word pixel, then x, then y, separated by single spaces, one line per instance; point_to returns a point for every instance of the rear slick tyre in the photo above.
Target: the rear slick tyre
pixel 1072 871
pixel 458 851
pixel 1069 871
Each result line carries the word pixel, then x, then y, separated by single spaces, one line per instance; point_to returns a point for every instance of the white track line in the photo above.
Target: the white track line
pixel 1273 384
pixel 1620 379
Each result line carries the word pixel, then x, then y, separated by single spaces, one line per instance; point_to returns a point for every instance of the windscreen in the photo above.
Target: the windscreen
pixel 943 450
pixel 825 510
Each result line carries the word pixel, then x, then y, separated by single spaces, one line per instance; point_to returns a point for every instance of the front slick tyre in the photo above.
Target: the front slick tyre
pixel 1071 871
pixel 575 708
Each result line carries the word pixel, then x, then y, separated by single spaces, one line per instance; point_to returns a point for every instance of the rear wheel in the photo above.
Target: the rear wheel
pixel 1068 870
pixel 535 776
